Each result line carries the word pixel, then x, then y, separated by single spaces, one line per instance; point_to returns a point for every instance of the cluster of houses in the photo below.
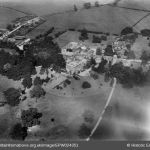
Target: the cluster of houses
pixel 119 47
pixel 20 24
pixel 77 54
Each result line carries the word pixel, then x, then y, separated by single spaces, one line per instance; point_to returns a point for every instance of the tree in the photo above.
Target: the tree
pixel 96 39
pixel 127 30
pixel 94 75
pixel 86 85
pixel 101 67
pixel 96 4
pixel 9 27
pixel 37 81
pixel 37 92
pixel 27 81
pixel 98 51
pixel 90 63
pixel 87 5
pixel 18 132
pixel 145 57
pixel 103 38
pixel 12 96
pixel 30 117
pixel 145 32
pixel 109 51
pixel 75 8
pixel 84 35
pixel 127 76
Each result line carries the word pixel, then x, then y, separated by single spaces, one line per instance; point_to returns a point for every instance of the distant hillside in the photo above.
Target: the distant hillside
pixel 138 4
pixel 105 19
pixel 141 4
pixel 8 15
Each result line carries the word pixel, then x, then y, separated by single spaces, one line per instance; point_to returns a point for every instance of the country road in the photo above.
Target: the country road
pixel 101 115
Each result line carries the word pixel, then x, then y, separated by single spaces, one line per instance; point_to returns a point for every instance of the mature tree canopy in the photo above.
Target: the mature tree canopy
pixel 27 81
pixel 75 8
pixel 84 35
pixel 18 132
pixel 12 96
pixel 127 76
pixel 96 39
pixel 30 117
pixel 145 32
pixel 38 81
pixel 37 92
pixel 145 57
pixel 101 68
pixel 86 85
pixel 126 31
pixel 87 5
pixel 96 4
pixel 109 51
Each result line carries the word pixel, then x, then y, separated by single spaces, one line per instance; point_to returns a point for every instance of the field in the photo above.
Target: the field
pixel 7 16
pixel 104 18
pixel 67 109
pixel 127 117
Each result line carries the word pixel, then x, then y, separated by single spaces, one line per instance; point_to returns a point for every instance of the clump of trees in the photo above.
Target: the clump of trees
pixel 9 27
pixel 127 76
pixel 101 67
pixel 94 75
pixel 30 117
pixel 37 92
pixel 127 30
pixel 145 32
pixel 37 81
pixel 18 132
pixel 87 5
pixel 104 38
pixel 75 8
pixel 109 51
pixel 52 49
pixel 20 65
pixel 96 39
pixel 24 64
pixel 86 85
pixel 12 96
pixel 97 4
pixel 98 51
pixel 145 57
pixel 27 81
pixel 48 32
pixel 90 63
pixel 84 35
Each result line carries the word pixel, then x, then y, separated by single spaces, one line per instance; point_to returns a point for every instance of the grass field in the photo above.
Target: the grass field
pixel 128 116
pixel 7 16
pixel 104 18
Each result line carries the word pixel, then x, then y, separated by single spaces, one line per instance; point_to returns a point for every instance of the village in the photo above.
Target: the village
pixel 17 30
pixel 78 54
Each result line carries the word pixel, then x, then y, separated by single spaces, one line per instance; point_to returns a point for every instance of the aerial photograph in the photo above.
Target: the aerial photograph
pixel 74 70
